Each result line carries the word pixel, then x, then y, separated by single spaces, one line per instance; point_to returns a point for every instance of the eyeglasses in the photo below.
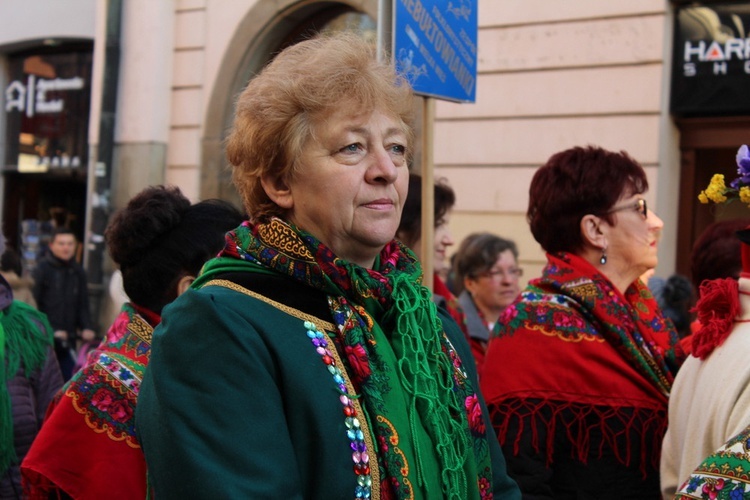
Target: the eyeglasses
pixel 639 206
pixel 513 272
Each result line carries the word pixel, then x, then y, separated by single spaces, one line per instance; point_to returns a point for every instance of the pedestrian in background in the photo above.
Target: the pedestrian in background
pixel 88 447
pixel 486 276
pixel 61 292
pixel 11 269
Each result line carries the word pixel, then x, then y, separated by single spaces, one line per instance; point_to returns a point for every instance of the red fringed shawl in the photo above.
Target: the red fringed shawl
pixel 87 446
pixel 573 344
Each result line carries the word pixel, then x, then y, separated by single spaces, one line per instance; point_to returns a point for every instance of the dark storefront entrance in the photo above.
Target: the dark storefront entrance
pixel 47 101
pixel 711 106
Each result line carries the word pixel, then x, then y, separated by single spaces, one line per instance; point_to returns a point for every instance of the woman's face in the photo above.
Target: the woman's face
pixel 443 240
pixel 497 288
pixel 633 239
pixel 351 184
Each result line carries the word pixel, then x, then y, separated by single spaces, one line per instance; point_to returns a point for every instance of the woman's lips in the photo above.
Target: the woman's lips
pixel 381 204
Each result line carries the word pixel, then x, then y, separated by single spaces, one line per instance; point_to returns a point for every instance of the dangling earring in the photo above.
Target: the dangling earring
pixel 603 260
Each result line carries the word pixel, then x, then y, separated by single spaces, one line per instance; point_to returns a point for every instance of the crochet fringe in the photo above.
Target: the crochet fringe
pixel 577 421
pixel 428 373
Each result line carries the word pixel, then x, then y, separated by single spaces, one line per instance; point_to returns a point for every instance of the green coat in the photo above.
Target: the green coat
pixel 236 403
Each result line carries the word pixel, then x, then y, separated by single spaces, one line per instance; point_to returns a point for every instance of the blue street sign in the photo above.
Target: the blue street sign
pixel 435 47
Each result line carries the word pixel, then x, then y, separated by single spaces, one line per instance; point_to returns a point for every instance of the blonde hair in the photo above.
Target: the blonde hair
pixel 277 112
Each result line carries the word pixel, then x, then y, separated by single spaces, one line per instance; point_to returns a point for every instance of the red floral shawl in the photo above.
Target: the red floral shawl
pixel 573 342
pixel 87 446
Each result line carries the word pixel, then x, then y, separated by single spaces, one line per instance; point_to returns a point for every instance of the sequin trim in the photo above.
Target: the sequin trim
pixel 355 433
pixel 360 439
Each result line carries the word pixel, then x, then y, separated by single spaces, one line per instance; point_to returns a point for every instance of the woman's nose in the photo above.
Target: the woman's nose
pixel 383 167
pixel 654 220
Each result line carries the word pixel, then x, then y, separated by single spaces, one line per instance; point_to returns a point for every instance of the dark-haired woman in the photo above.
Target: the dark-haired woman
pixel 410 233
pixel 486 279
pixel 11 269
pixel 87 447
pixel 578 377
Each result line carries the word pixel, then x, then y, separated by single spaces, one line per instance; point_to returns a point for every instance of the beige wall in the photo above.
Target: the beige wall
pixel 32 20
pixel 584 72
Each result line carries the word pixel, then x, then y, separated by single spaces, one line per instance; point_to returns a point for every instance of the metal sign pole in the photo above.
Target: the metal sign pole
pixel 427 250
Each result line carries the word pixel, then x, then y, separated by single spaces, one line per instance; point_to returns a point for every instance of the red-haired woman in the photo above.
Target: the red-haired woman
pixel 578 377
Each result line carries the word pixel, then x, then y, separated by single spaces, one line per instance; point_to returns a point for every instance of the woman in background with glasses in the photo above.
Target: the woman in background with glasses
pixel 487 272
pixel 578 376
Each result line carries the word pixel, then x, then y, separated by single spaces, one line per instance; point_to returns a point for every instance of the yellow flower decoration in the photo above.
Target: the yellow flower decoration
pixel 718 192
pixel 715 190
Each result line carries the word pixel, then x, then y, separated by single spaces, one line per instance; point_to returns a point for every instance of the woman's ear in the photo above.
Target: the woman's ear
pixel 184 284
pixel 469 284
pixel 278 190
pixel 593 231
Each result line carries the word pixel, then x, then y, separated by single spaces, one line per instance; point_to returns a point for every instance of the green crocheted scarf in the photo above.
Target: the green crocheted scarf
pixel 25 336
pixel 399 358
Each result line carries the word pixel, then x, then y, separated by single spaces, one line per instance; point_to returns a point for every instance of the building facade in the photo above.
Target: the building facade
pixel 551 75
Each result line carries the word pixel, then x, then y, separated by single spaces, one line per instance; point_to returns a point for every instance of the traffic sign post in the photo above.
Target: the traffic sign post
pixel 435 47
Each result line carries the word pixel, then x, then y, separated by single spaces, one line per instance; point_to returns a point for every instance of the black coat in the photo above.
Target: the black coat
pixel 61 292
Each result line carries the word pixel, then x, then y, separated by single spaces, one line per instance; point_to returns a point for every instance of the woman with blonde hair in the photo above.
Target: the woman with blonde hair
pixel 308 361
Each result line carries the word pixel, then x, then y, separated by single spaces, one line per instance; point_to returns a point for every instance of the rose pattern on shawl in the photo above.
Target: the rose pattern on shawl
pixel 388 434
pixel 358 360
pixel 101 400
pixel 106 402
pixel 118 329
pixel 120 411
pixel 386 488
pixel 725 474
pixel 485 488
pixel 105 390
pixel 712 488
pixel 546 309
pixel 474 412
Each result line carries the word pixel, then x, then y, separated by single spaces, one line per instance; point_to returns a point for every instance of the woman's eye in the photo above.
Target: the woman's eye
pixel 398 149
pixel 351 148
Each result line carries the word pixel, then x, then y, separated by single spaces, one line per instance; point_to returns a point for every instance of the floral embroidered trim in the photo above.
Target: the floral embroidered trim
pixel 120 372
pixel 106 397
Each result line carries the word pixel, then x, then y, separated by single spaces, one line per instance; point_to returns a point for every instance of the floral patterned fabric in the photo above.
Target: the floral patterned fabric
pixel 87 446
pixel 725 475
pixel 576 358
pixel 413 386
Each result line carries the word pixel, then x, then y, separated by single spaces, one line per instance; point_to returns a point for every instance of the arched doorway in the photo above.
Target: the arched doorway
pixel 259 36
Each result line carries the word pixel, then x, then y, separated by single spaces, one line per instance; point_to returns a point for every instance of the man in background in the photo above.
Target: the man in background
pixel 60 291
